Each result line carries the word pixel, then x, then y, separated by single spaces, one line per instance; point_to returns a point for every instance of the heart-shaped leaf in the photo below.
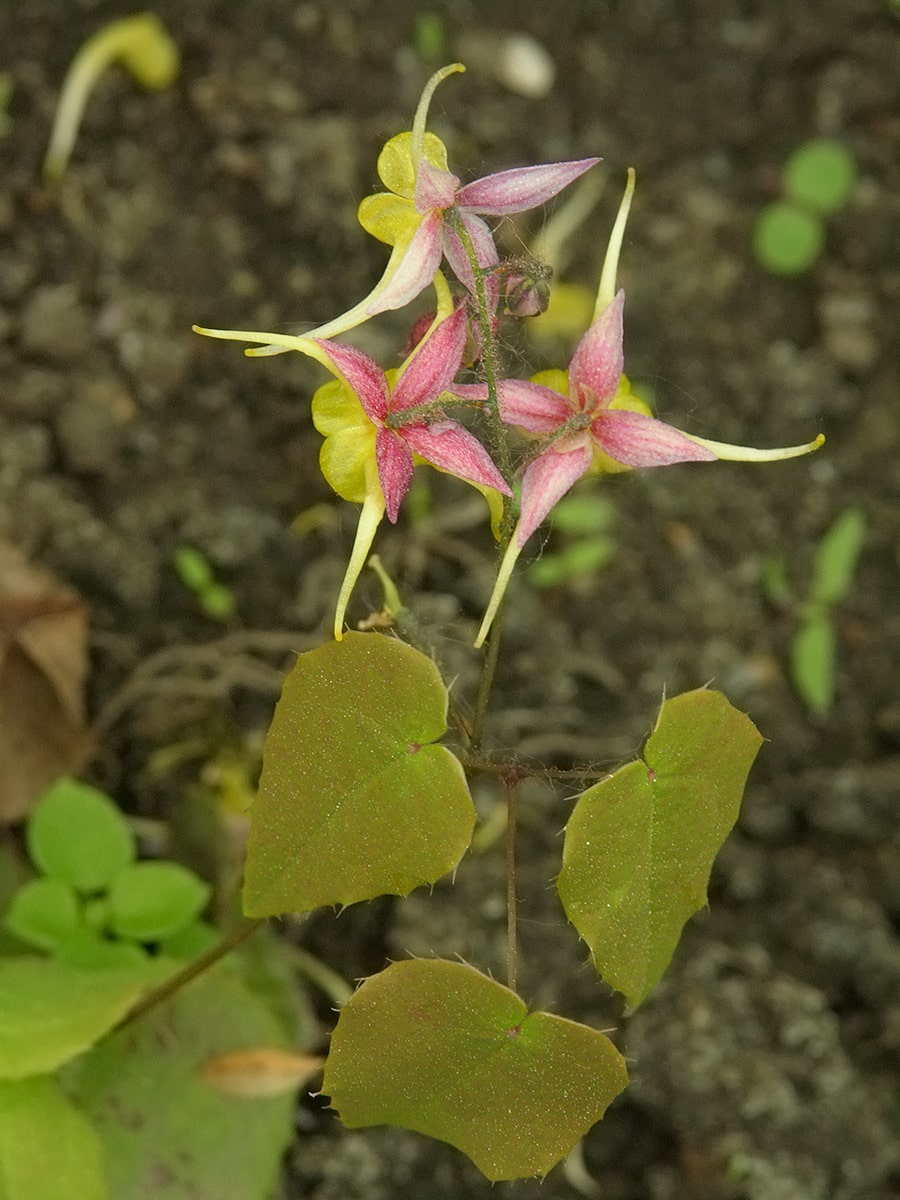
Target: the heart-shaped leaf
pixel 355 801
pixel 438 1047
pixel 640 845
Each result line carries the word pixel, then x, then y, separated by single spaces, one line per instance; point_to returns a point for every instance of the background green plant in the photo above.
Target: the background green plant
pixel 90 1113
pixel 817 179
pixel 813 648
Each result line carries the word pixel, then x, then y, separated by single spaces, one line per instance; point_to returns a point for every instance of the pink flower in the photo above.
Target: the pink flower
pixel 585 421
pixel 407 417
pixel 440 201
pixel 593 419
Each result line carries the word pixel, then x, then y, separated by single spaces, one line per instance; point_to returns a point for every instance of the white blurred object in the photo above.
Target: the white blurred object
pixel 524 66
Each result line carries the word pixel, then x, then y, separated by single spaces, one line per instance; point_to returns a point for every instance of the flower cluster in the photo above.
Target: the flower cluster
pixel 378 425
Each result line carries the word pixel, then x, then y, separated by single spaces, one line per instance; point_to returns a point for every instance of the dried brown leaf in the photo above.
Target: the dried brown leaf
pixel 43 667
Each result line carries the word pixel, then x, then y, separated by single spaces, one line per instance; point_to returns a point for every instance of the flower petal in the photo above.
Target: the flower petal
pixel 639 441
pixel 388 217
pixel 750 454
pixel 447 445
pixel 395 468
pixel 546 480
pixel 435 188
pixel 363 375
pixel 520 188
pixel 513 550
pixel 395 165
pixel 410 269
pixel 483 244
pixel 432 367
pixel 369 520
pixel 532 406
pixel 597 363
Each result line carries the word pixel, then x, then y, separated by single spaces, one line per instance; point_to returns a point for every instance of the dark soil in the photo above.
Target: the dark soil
pixel 765 1066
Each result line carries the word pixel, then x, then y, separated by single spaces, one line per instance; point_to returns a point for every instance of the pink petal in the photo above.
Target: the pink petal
pixel 597 363
pixel 395 468
pixel 482 242
pixel 432 367
pixel 415 270
pixel 532 406
pixel 364 376
pixel 435 187
pixel 546 480
pixel 447 445
pixel 470 391
pixel 521 188
pixel 636 440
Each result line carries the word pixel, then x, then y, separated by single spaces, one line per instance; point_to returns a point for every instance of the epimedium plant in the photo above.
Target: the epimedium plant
pixel 359 794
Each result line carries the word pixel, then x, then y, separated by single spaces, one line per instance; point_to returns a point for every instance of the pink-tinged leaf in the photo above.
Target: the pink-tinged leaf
pixel 636 440
pixel 532 406
pixel 355 800
pixel 363 375
pixel 414 269
pixel 395 469
pixel 640 845
pixel 449 446
pixel 482 242
pixel 439 1048
pixel 521 188
pixel 597 363
pixel 435 188
pixel 546 480
pixel 432 367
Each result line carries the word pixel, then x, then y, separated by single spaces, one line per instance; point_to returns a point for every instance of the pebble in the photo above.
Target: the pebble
pixel 525 67
pixel 55 324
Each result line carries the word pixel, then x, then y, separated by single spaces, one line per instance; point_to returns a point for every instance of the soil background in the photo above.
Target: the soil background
pixel 765 1066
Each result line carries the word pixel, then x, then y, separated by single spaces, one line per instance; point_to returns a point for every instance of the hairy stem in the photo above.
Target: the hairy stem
pixel 511 796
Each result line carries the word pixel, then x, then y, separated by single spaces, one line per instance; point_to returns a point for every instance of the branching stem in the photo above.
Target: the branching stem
pixel 194 969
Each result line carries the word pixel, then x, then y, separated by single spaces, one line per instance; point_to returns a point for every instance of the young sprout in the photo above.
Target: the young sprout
pixel 141 44
pixel 789 234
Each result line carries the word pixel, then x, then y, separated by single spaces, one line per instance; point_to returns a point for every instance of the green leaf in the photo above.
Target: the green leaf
pixel 153 900
pixel 77 835
pixel 579 558
pixel 88 949
pixel 813 653
pixel 50 1011
pixel 355 800
pixel 48 1149
pixel 836 557
pixel 168 1134
pixel 787 239
pixel 583 512
pixel 438 1047
pixel 820 174
pixel 44 913
pixel 639 845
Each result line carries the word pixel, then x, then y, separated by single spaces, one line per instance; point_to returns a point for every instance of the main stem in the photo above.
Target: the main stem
pixel 511 796
pixel 500 446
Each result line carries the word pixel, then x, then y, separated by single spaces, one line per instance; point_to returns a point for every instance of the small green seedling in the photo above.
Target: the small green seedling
pixel 91 902
pixel 142 46
pixel 93 1112
pixel 193 569
pixel 813 648
pixel 789 234
pixel 583 520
